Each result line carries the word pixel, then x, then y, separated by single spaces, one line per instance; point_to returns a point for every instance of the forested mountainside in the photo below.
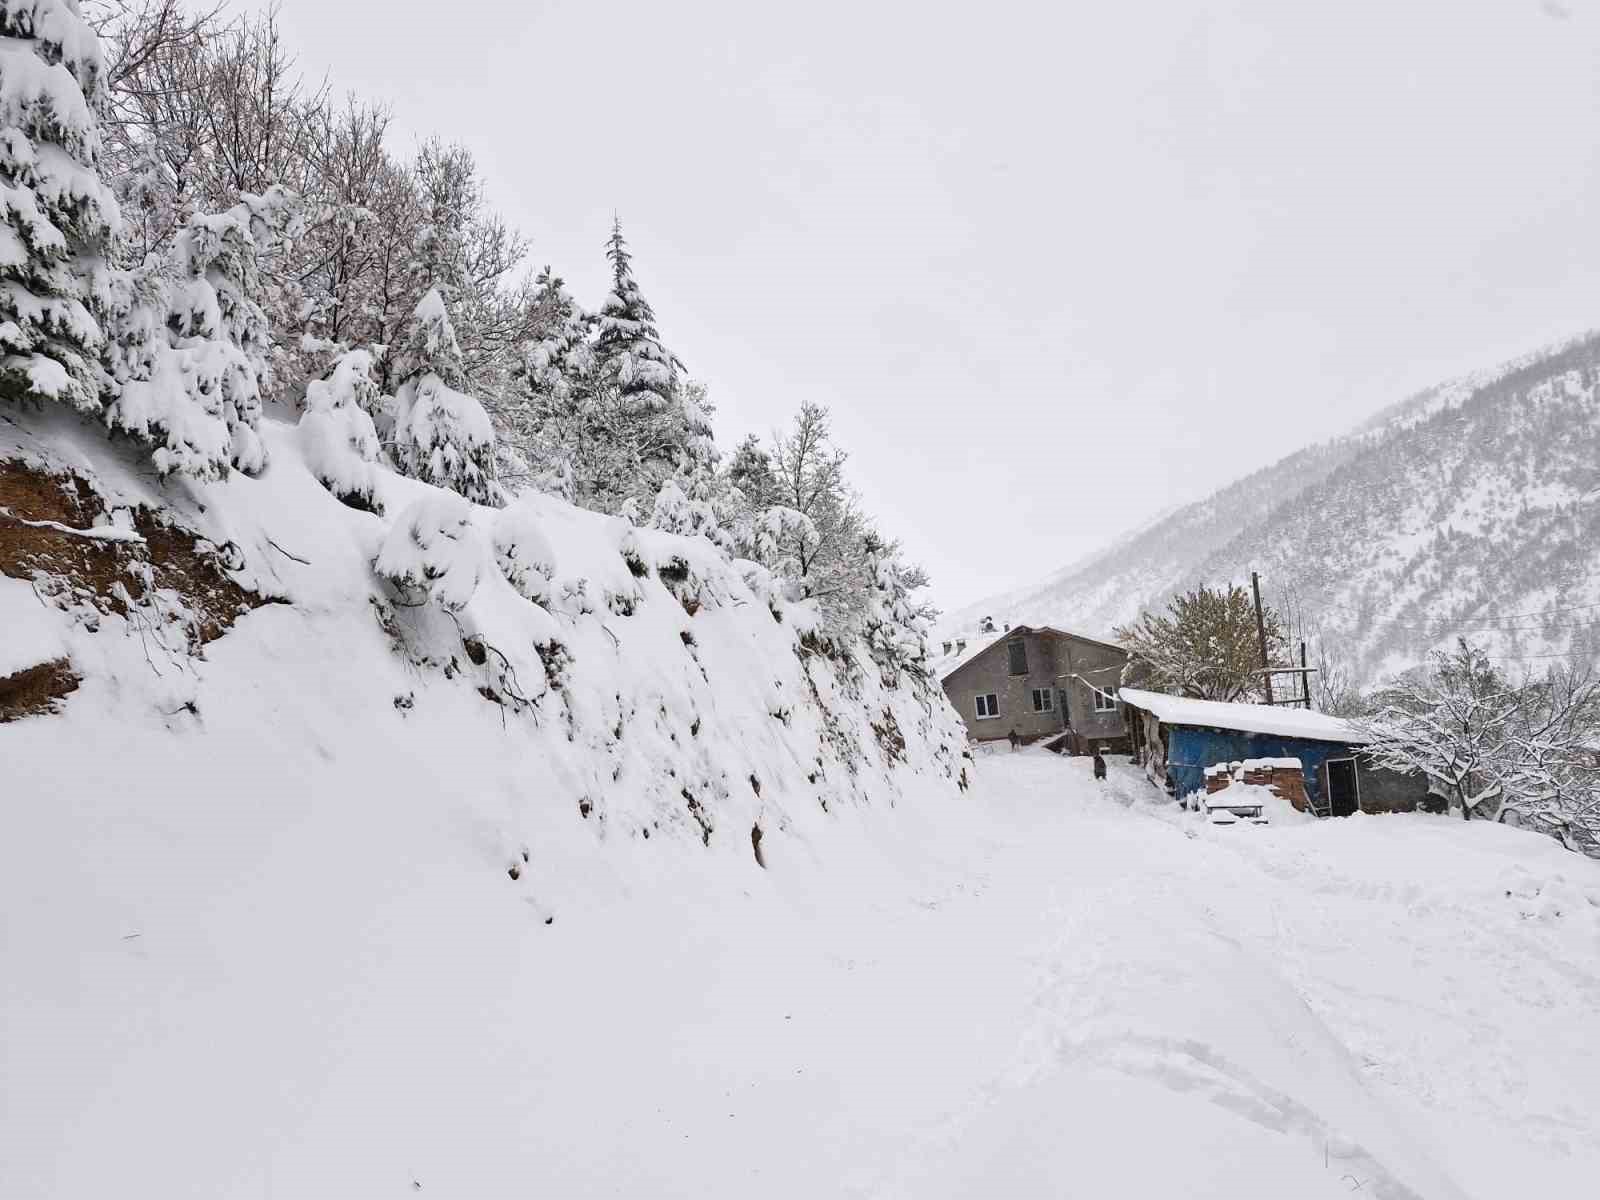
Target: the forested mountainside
pixel 1470 508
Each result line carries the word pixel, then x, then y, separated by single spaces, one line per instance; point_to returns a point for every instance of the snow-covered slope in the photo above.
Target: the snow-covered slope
pixel 1472 500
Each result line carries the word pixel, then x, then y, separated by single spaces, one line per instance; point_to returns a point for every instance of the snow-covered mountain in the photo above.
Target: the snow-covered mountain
pixel 1468 508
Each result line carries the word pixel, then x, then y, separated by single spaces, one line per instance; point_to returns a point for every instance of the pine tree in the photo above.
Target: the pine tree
pixel 894 627
pixel 560 361
pixel 190 344
pixel 628 352
pixel 58 214
pixel 442 435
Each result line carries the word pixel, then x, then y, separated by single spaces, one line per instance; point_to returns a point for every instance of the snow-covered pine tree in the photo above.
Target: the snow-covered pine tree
pixel 442 435
pixel 190 343
pixel 894 628
pixel 58 214
pixel 628 350
pixel 547 424
pixel 562 358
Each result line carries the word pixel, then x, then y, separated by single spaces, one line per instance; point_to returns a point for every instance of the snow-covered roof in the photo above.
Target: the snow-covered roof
pixel 1244 718
pixel 945 665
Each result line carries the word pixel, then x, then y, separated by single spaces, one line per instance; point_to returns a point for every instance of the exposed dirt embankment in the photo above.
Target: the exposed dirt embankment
pixel 58 535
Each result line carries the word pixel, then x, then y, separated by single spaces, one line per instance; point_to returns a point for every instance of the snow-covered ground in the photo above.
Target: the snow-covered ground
pixel 1044 987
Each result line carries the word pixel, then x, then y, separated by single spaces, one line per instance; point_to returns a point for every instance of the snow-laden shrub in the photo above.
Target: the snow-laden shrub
pixel 442 435
pixel 524 554
pixel 337 435
pixel 432 552
pixel 762 584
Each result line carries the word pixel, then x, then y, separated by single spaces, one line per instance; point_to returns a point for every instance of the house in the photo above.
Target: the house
pixel 1040 682
pixel 1176 740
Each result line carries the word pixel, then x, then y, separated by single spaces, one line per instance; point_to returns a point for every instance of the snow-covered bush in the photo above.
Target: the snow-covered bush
pixel 337 435
pixel 524 554
pixel 189 341
pixel 432 552
pixel 442 435
pixel 56 213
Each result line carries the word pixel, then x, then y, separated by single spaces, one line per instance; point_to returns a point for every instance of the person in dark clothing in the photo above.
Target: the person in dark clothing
pixel 1014 739
pixel 1099 764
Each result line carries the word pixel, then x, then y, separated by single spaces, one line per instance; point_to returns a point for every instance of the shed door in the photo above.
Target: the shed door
pixel 1343 796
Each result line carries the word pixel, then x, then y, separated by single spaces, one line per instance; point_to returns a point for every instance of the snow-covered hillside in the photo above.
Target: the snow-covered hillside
pixel 1473 500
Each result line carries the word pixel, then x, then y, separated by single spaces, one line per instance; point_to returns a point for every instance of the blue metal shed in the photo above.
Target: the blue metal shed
pixel 1178 738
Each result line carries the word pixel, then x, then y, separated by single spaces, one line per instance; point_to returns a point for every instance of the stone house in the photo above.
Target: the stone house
pixel 1042 683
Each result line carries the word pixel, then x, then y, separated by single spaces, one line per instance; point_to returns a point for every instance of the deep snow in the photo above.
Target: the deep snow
pixel 307 916
pixel 1047 987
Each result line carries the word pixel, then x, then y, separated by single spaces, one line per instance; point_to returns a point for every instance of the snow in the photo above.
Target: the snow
pixel 1245 718
pixel 28 636
pixel 343 926
pixel 1049 988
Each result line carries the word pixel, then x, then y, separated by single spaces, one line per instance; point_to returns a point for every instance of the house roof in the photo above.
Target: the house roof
pixel 1243 718
pixel 949 665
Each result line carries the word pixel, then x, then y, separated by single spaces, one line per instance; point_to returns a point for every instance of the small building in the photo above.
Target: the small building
pixel 1177 740
pixel 1041 683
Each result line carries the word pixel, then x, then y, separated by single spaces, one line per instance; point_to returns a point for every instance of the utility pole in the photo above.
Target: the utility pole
pixel 1261 633
pixel 1305 678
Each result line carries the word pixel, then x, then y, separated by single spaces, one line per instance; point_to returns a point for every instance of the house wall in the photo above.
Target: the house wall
pixel 1190 751
pixel 990 672
pixel 1078 664
pixel 1384 791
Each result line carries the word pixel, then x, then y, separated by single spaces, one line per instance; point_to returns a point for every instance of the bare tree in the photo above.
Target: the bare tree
pixel 1205 645
pixel 825 560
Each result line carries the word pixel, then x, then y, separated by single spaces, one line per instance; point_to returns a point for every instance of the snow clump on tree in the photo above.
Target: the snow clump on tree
pixel 337 435
pixel 524 554
pixel 432 552
pixel 57 215
pixel 442 435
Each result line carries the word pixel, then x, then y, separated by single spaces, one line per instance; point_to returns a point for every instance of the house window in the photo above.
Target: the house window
pixel 988 706
pixel 1019 656
pixel 1043 699
pixel 1104 702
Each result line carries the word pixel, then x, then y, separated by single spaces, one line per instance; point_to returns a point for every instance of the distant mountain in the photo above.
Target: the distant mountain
pixel 1472 507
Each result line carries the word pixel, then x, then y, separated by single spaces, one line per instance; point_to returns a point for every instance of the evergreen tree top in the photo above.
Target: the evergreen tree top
pixel 430 345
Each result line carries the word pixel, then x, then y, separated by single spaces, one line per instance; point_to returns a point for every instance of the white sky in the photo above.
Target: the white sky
pixel 1056 267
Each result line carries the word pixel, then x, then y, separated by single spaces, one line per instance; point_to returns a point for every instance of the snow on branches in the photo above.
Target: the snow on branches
pixel 1521 750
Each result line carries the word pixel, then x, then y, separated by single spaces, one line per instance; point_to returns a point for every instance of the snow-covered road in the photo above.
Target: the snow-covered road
pixel 1054 988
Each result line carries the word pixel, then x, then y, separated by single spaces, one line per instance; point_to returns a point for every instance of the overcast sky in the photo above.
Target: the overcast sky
pixel 1056 267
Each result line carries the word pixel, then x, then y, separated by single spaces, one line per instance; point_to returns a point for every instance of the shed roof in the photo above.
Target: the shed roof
pixel 1244 718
